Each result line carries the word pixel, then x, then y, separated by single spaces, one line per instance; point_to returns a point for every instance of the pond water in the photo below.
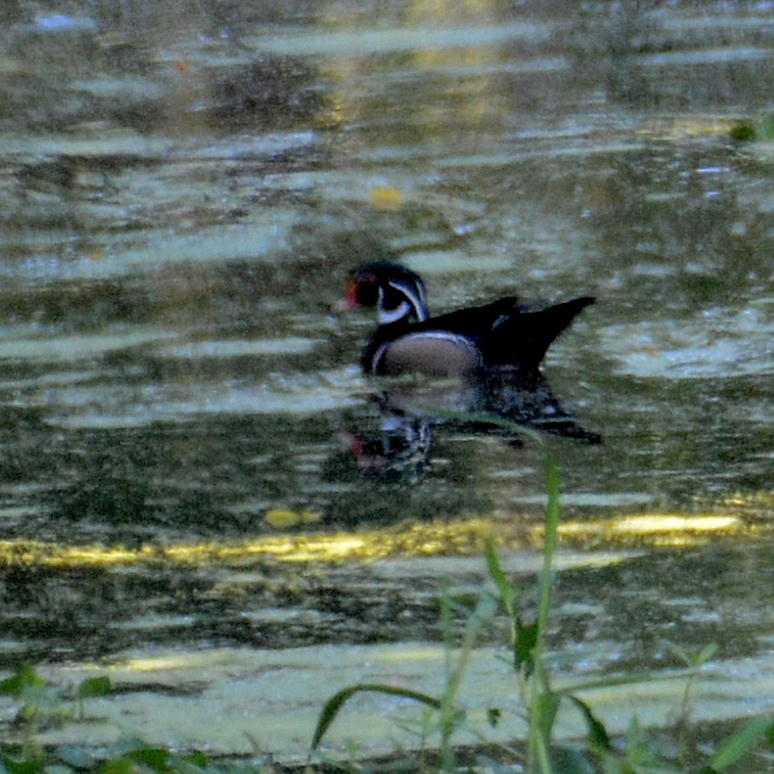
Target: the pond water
pixel 186 186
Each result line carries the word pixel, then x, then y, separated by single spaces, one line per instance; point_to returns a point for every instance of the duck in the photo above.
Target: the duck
pixel 468 342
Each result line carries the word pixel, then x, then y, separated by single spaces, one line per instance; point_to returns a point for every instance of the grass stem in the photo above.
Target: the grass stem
pixel 542 704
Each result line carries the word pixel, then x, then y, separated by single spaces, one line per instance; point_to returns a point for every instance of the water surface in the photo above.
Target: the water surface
pixel 185 190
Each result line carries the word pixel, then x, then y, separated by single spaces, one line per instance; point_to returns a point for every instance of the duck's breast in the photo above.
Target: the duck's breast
pixel 432 353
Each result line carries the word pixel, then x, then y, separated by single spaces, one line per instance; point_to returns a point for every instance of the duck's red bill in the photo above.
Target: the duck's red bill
pixel 349 302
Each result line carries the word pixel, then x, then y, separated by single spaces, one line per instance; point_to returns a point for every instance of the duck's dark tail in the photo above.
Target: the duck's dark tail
pixel 525 336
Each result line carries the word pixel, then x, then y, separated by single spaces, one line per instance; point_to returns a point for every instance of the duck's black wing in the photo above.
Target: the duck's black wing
pixel 523 336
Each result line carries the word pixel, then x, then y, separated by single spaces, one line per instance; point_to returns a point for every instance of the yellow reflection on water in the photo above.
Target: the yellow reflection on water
pixel 655 528
pixel 435 538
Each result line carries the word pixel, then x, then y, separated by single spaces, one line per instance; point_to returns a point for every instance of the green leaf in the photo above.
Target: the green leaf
pixel 94 686
pixel 598 738
pixel 463 603
pixel 679 652
pixel 28 766
pixel 740 743
pixel 524 647
pixel 493 715
pixel 336 702
pixel 117 766
pixel 743 131
pixel 547 705
pixel 706 653
pixel 497 574
pixel 692 658
pixel 155 758
pixel 198 759
pixel 24 678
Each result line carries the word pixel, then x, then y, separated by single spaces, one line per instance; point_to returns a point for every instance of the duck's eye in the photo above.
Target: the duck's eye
pixel 364 290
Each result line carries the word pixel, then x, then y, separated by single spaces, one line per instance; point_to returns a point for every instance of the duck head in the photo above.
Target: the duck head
pixel 397 293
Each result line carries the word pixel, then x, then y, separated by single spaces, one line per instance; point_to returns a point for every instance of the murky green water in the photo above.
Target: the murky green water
pixel 185 186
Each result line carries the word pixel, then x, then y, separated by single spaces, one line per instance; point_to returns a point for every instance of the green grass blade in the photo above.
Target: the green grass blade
pixel 740 743
pixel 547 708
pixel 550 542
pixel 332 707
pixel 450 716
pixel 553 510
pixel 524 646
pixel 541 699
pixel 614 680
pixel 597 735
pixel 497 574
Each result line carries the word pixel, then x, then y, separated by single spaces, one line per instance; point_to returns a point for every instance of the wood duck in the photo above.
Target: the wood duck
pixel 466 342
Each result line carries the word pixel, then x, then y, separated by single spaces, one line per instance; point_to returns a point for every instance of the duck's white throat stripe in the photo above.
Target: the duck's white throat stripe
pixel 387 316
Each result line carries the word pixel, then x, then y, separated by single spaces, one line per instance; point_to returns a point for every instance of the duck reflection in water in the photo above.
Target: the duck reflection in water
pixel 475 369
